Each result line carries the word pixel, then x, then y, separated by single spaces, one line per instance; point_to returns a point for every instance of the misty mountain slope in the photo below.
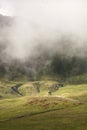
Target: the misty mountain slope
pixel 5 20
pixel 43 64
pixel 60 58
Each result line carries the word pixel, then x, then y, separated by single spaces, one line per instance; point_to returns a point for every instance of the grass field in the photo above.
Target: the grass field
pixel 65 109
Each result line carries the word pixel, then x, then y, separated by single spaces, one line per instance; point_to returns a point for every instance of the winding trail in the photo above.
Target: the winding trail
pixel 69 99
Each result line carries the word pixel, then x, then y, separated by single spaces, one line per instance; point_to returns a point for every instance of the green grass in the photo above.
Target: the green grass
pixel 29 89
pixel 43 112
pixel 6 91
pixel 68 118
pixel 12 108
pixel 72 90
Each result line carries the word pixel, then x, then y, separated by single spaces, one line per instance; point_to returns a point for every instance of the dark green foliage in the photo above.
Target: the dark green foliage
pixel 2 70
pixel 79 79
pixel 66 67
pixel 38 67
pixel 60 65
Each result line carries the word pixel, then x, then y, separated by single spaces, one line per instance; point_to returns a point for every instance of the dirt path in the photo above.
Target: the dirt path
pixel 69 99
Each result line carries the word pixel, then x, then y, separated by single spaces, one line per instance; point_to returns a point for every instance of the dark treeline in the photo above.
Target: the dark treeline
pixel 44 65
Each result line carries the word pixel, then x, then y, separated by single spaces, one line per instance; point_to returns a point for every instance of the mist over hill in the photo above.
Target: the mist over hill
pixel 61 55
pixel 43 64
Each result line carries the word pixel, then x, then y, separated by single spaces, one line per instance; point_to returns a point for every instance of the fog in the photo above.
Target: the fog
pixel 58 25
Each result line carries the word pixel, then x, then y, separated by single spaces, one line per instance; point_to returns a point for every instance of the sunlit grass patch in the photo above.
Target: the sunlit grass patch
pixel 65 109
pixel 72 90
pixel 12 108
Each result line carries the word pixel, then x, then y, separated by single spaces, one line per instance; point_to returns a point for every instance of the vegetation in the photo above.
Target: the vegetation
pixel 45 91
pixel 65 109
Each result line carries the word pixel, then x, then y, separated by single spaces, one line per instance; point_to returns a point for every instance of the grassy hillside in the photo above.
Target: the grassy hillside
pixel 26 88
pixel 6 89
pixel 65 109
pixel 63 119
